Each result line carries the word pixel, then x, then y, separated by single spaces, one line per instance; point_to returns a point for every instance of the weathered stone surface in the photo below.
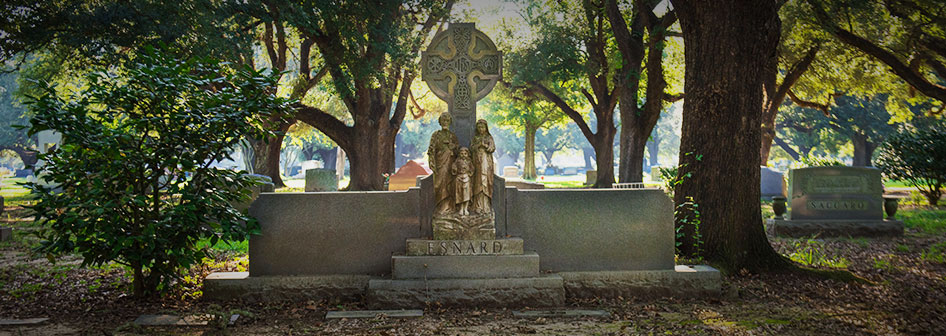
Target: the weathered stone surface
pixel 594 229
pixel 320 180
pixel 836 193
pixel 834 228
pixel 174 320
pixel 373 314
pixel 331 233
pixel 543 291
pixel 682 281
pixel 771 182
pixel 519 183
pixel 461 65
pixel 479 226
pixel 465 267
pixel 241 286
pixel 5 233
pixel 561 313
pixel 504 246
pixel 21 322
pixel 427 205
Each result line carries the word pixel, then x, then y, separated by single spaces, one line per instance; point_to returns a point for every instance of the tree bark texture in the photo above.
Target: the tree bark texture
pixel 863 150
pixel 529 171
pixel 775 96
pixel 638 122
pixel 266 155
pixel 727 44
pixel 653 148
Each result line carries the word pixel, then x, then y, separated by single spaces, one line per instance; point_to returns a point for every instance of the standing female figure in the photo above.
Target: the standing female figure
pixel 483 148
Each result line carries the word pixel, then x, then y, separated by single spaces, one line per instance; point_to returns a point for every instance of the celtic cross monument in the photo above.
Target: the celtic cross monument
pixel 461 65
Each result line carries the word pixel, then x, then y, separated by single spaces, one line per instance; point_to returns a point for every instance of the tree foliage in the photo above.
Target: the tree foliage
pixel 917 154
pixel 132 181
pixel 13 114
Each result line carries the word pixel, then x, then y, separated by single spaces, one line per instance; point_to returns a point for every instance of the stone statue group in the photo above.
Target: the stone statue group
pixel 463 177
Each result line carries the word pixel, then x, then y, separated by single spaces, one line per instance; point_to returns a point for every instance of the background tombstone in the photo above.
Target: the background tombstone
pixel 510 172
pixel 835 201
pixel 772 183
pixel 655 174
pixel 590 177
pixel 320 180
pixel 406 176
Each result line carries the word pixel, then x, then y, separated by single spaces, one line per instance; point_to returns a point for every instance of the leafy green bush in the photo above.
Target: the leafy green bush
pixel 822 161
pixel 132 182
pixel 917 155
pixel 810 252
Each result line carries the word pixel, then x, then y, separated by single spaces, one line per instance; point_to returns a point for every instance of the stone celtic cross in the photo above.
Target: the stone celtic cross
pixel 461 65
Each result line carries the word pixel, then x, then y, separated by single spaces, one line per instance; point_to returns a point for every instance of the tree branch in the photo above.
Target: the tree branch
pixel 791 152
pixel 809 104
pixel 562 105
pixel 402 100
pixel 791 77
pixel 898 67
pixel 328 124
pixel 671 98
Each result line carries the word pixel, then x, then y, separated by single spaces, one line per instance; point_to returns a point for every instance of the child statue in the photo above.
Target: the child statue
pixel 462 168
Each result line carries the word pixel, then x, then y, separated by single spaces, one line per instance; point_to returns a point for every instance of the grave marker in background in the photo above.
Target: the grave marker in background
pixel 835 201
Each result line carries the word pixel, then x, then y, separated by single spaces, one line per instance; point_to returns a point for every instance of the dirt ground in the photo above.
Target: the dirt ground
pixel 906 295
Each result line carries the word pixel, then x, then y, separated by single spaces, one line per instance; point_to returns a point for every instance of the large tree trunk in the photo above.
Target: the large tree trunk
pixel 328 157
pixel 653 148
pixel 726 45
pixel 604 154
pixel 863 150
pixel 528 171
pixel 266 155
pixel 632 167
pixel 588 154
pixel 371 154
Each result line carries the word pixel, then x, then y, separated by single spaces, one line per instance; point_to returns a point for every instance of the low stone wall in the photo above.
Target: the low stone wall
pixel 572 230
pixel 326 233
pixel 594 229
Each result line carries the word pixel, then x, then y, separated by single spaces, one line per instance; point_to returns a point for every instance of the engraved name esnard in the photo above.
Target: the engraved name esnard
pixel 464 247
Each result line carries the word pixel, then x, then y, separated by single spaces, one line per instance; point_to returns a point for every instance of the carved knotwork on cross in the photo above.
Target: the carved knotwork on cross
pixel 461 66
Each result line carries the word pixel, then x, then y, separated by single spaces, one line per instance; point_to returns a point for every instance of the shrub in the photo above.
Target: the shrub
pixel 132 182
pixel 917 155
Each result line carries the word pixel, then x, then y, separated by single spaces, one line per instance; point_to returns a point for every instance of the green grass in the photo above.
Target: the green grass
pixel 935 254
pixel 928 220
pixel 239 246
pixel 563 184
pixel 12 192
pixel 897 184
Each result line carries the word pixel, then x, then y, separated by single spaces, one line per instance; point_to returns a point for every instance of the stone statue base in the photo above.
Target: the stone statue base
pixel 453 226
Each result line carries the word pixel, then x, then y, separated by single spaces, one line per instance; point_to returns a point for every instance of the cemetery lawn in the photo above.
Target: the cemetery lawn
pixel 906 295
